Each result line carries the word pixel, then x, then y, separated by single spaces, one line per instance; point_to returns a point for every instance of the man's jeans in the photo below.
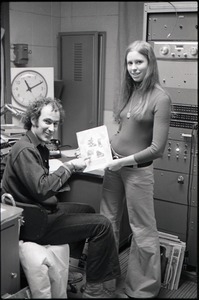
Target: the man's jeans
pixel 73 223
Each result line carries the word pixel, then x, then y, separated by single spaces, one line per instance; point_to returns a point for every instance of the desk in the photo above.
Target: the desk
pixel 87 188
pixel 10 265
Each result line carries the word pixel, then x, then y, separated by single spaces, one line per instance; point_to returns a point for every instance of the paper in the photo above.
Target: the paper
pixel 69 153
pixel 54 164
pixel 94 144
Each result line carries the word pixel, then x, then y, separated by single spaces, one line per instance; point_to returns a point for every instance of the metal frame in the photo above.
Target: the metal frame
pixel 155 7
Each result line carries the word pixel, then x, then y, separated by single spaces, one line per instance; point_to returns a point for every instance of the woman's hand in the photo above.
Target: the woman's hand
pixel 114 165
pixel 117 164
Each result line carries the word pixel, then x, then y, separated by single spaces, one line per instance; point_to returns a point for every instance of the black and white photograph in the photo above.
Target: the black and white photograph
pixel 99 149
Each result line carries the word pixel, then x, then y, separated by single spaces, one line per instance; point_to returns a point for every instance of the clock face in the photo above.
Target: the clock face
pixel 28 86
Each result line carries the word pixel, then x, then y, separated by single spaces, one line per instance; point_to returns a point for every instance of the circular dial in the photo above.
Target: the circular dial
pixel 164 50
pixel 193 51
pixel 28 86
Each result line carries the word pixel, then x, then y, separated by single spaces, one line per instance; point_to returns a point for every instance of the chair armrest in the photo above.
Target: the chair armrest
pixel 35 218
pixel 35 221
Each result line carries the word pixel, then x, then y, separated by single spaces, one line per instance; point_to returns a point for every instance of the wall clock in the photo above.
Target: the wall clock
pixel 28 84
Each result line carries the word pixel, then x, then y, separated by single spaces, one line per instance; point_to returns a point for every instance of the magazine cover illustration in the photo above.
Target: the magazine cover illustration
pixel 94 144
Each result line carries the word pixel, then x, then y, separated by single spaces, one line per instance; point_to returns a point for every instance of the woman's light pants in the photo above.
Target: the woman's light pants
pixel 135 186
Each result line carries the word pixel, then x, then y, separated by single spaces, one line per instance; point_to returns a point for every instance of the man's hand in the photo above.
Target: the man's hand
pixel 79 164
pixel 77 153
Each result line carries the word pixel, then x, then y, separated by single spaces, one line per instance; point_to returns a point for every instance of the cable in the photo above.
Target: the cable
pixel 175 22
pixel 190 183
pixel 17 112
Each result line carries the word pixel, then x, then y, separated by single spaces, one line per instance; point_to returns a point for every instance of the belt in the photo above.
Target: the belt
pixel 115 155
pixel 140 165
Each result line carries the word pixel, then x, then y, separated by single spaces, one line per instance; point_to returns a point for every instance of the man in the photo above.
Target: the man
pixel 27 179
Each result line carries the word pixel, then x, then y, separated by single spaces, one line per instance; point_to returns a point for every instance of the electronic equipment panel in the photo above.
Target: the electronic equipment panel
pixel 171 28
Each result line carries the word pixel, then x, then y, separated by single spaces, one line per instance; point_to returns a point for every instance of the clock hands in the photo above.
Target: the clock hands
pixel 32 87
pixel 36 85
pixel 29 89
pixel 27 86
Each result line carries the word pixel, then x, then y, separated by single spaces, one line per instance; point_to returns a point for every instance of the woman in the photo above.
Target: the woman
pixel 144 116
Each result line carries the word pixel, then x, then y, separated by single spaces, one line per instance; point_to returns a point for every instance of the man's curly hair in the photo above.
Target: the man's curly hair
pixel 34 110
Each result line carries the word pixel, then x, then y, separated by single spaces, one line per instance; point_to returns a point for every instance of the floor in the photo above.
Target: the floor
pixel 187 286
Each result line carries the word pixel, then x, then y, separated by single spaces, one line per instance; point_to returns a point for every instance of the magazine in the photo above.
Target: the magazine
pixel 94 147
pixel 174 252
pixel 179 268
pixel 174 264
pixel 168 236
pixel 169 253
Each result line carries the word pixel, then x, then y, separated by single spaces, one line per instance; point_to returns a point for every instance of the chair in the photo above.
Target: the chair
pixel 30 230
pixel 33 226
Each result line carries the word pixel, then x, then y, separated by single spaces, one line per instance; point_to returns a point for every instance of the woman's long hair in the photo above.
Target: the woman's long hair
pixel 145 87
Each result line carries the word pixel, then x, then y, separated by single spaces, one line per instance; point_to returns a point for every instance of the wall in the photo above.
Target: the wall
pixel 39 22
pixel 36 24
pixel 96 16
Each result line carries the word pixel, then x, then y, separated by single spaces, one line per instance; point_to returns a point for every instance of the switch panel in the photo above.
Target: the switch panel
pixel 176 50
